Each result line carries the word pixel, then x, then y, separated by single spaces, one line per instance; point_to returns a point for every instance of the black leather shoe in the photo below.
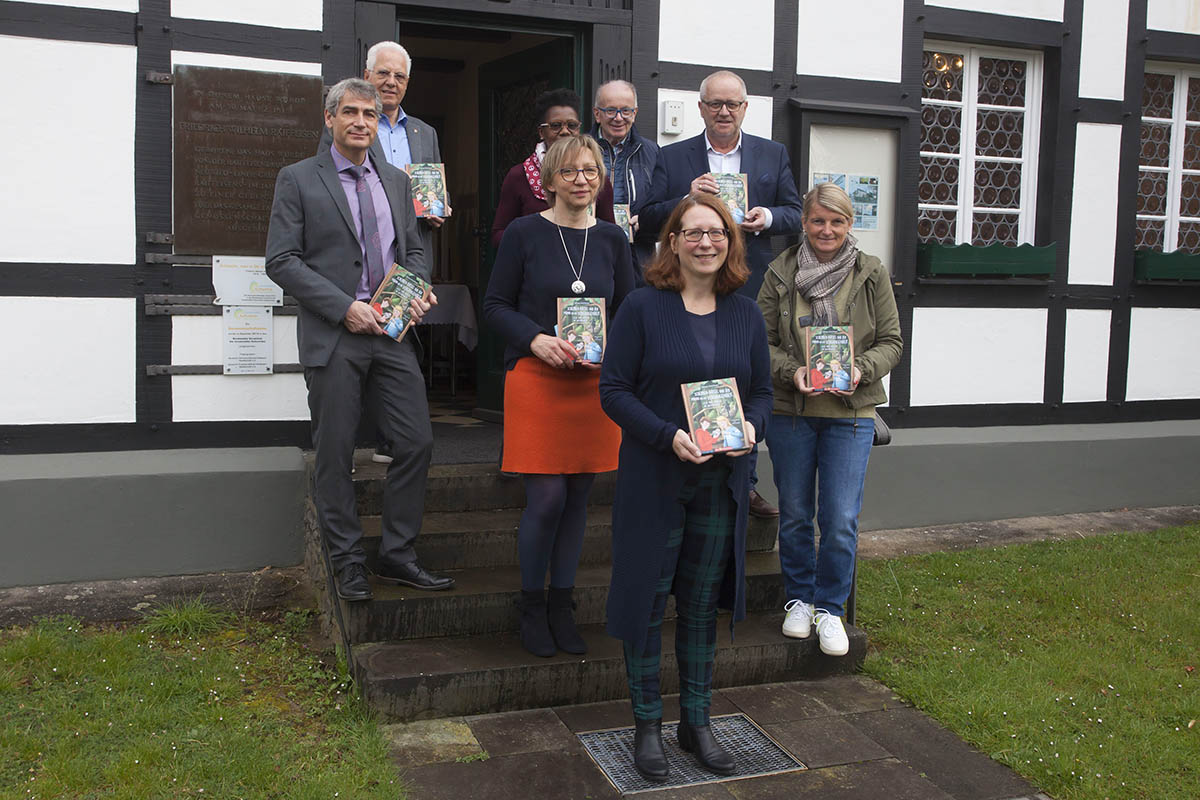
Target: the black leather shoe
pixel 760 507
pixel 699 740
pixel 352 583
pixel 648 756
pixel 560 613
pixel 535 630
pixel 414 575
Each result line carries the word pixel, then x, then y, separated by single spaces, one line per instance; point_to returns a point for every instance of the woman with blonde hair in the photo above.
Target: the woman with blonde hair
pixel 555 434
pixel 820 441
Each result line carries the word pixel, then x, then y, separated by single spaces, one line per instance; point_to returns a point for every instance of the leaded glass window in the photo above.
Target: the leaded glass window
pixel 1168 201
pixel 979 135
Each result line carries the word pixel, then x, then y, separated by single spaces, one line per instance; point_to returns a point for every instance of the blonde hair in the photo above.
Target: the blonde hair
pixel 829 196
pixel 560 153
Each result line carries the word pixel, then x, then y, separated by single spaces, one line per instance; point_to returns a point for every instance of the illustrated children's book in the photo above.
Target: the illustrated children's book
pixel 716 421
pixel 393 298
pixel 830 350
pixel 583 324
pixel 621 215
pixel 428 189
pixel 731 188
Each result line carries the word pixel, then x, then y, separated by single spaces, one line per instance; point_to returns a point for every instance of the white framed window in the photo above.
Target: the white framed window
pixel 1168 201
pixel 980 127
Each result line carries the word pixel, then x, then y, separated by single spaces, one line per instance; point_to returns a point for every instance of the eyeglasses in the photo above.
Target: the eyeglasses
pixel 694 235
pixel 716 105
pixel 384 75
pixel 612 113
pixel 571 125
pixel 590 173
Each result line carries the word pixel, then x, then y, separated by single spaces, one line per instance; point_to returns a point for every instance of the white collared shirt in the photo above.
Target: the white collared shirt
pixel 730 162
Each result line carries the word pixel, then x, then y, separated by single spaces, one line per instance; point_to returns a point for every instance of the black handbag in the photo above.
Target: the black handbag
pixel 883 434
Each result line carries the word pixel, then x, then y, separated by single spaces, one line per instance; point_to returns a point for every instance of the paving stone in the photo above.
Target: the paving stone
pixel 619 714
pixel 522 732
pixel 430 741
pixel 849 694
pixel 825 741
pixel 776 702
pixel 872 780
pixel 545 776
pixel 702 791
pixel 957 768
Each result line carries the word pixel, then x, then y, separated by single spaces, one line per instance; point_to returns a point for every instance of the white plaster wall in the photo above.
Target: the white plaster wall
pixel 859 39
pixel 712 32
pixel 227 398
pixel 197 340
pixel 1085 368
pixel 1102 60
pixel 1032 9
pixel 757 121
pixel 67 360
pixel 182 57
pixel 301 14
pixel 1180 16
pixel 74 203
pixel 103 5
pixel 1094 204
pixel 978 355
pixel 1164 361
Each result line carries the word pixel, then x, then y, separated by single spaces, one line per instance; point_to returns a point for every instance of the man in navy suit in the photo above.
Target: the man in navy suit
pixel 774 206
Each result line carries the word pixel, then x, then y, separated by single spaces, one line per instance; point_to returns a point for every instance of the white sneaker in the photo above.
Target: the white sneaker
pixel 798 622
pixel 380 457
pixel 831 633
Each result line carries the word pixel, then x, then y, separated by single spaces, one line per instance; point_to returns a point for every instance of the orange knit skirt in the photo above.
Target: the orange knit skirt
pixel 553 423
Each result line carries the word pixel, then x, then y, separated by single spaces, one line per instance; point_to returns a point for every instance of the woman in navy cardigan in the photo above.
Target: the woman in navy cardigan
pixel 679 517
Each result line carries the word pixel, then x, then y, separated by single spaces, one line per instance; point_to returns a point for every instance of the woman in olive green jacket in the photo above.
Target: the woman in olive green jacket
pixel 824 280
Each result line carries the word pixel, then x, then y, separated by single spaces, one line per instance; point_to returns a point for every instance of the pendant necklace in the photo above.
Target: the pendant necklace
pixel 578 286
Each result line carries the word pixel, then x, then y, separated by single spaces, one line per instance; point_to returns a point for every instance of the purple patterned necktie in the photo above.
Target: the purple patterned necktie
pixel 370 225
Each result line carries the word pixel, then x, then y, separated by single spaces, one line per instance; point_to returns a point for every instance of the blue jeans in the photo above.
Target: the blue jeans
pixel 837 450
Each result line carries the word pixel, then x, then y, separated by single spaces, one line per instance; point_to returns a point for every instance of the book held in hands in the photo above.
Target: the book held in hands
pixel 716 421
pixel 621 215
pixel 731 188
pixel 428 189
pixel 830 350
pixel 394 297
pixel 583 324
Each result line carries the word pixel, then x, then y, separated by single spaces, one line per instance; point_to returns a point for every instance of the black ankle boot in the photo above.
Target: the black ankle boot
pixel 699 740
pixel 560 613
pixel 648 756
pixel 535 631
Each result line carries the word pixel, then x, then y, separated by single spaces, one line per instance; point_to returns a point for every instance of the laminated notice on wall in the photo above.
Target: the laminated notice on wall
pixel 243 281
pixel 248 340
pixel 864 195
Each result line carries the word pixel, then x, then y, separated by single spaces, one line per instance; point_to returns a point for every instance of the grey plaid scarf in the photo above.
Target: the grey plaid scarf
pixel 818 282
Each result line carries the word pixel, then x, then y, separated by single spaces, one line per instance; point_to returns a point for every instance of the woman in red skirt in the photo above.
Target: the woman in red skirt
pixel 555 434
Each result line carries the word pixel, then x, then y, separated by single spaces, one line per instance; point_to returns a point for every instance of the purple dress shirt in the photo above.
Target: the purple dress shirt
pixel 383 217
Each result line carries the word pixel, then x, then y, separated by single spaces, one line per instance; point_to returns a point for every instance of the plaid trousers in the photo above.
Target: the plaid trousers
pixel 698 553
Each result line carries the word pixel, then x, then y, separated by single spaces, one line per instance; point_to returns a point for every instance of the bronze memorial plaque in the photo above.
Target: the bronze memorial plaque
pixel 234 129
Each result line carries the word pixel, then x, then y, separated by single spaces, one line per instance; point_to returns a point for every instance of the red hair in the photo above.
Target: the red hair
pixel 664 271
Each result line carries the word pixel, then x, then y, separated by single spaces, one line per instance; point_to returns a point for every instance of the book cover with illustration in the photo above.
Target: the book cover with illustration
pixel 621 215
pixel 428 189
pixel 731 188
pixel 716 421
pixel 393 298
pixel 830 350
pixel 583 324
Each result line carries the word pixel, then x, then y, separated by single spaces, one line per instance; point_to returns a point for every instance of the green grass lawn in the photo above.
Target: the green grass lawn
pixel 1076 663
pixel 193 703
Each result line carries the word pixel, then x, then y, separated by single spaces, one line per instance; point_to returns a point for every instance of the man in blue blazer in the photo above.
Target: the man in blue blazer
pixel 774 206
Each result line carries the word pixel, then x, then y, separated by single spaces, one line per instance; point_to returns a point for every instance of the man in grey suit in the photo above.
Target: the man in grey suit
pixel 338 222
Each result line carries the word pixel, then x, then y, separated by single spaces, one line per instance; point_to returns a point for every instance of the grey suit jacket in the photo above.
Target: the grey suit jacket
pixel 313 250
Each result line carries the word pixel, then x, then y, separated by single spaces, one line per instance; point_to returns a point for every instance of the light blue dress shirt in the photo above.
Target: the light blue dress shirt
pixel 394 140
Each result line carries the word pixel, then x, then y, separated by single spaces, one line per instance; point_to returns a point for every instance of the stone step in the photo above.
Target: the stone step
pixel 462 487
pixel 456 676
pixel 485 601
pixel 465 539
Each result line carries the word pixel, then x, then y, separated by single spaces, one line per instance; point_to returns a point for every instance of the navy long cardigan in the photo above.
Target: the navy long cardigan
pixel 651 352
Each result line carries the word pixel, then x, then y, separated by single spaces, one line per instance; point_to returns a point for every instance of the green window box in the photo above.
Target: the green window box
pixel 1153 265
pixel 986 260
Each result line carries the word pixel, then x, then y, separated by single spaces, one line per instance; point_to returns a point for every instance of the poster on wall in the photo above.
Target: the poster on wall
pixel 243 281
pixel 248 340
pixel 864 195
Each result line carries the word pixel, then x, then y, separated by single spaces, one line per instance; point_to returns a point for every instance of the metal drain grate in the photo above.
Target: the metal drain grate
pixel 753 751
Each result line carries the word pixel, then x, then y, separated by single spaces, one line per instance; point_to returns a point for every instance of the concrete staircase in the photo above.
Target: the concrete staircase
pixel 420 655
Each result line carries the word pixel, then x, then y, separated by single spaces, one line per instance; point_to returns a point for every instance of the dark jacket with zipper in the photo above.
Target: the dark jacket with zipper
pixel 638 170
pixel 865 300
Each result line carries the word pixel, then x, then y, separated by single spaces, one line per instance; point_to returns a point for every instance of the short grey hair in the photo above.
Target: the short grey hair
pixel 388 47
pixel 626 84
pixel 721 73
pixel 355 87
